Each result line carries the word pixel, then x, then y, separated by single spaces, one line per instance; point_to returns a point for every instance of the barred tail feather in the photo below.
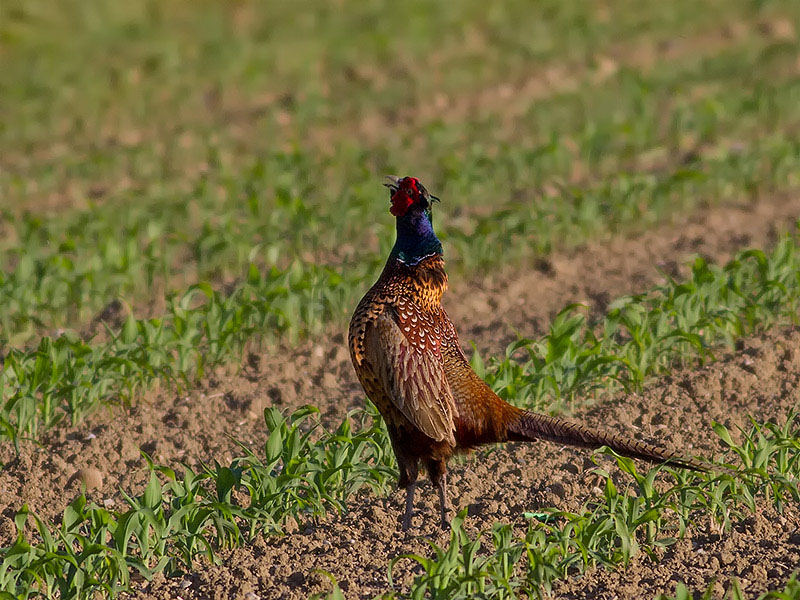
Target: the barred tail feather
pixel 532 426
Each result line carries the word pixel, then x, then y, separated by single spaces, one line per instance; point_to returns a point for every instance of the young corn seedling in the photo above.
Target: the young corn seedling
pixel 300 476
pixel 612 528
pixel 734 592
pixel 647 334
pixel 461 570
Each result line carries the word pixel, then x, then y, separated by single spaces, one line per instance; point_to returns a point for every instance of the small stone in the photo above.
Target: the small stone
pixel 91 478
pixel 251 596
pixel 185 584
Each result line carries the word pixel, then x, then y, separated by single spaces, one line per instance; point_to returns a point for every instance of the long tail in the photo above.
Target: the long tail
pixel 530 426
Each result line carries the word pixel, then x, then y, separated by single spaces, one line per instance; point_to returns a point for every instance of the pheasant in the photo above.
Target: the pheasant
pixel 407 357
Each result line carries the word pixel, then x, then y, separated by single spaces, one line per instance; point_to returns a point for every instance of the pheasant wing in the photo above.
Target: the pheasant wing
pixel 408 364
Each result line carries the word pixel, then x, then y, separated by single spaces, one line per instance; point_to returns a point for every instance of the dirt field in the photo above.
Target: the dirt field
pixel 759 379
pixel 177 184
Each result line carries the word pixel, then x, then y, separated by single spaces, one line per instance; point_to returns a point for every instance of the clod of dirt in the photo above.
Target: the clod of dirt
pixel 8 531
pixel 91 478
pixel 778 29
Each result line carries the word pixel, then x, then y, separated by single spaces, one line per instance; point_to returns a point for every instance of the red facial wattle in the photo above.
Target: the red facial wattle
pixel 404 196
pixel 401 202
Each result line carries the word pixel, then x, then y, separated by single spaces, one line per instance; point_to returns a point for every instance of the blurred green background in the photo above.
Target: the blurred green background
pixel 145 146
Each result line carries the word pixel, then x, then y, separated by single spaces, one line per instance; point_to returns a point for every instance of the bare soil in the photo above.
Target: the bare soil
pixel 758 379
pixel 500 485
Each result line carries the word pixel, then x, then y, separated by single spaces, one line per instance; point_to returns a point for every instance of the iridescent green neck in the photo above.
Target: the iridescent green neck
pixel 415 237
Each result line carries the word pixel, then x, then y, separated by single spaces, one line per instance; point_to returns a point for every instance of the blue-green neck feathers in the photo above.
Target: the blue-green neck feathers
pixel 415 237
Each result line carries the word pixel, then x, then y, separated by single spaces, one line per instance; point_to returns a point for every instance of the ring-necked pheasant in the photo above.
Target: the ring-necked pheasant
pixel 406 353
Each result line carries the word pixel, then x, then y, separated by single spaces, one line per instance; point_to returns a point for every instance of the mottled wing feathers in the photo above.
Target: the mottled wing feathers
pixel 367 311
pixel 411 372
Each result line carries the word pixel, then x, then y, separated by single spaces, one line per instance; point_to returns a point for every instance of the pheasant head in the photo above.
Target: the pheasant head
pixel 407 193
pixel 411 205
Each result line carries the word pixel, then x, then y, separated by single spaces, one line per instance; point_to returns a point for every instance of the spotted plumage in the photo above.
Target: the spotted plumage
pixel 406 354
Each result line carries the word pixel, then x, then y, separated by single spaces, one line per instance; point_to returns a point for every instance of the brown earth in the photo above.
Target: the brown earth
pixel 762 551
pixel 356 547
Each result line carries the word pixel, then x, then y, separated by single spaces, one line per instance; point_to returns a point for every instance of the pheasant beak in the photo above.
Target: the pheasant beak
pixel 393 182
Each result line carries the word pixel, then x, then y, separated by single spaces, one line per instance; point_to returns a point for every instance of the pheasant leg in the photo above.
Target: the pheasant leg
pixel 444 505
pixel 409 505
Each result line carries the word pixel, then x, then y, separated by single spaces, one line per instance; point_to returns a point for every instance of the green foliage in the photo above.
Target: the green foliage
pixel 170 524
pixel 611 529
pixel 461 570
pixel 300 479
pixel 160 183
pixel 641 336
pixel 652 333
pixel 73 561
pixel 68 377
pixel 297 478
pixel 768 454
pixel 734 592
pixel 149 146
